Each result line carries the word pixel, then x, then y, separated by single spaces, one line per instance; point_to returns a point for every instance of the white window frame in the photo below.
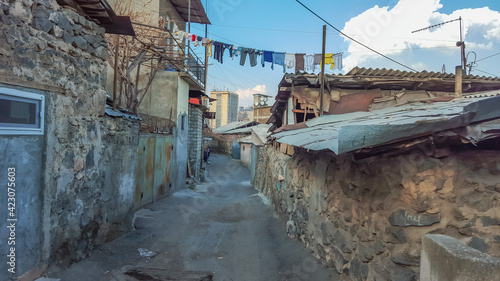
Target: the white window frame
pixel 19 129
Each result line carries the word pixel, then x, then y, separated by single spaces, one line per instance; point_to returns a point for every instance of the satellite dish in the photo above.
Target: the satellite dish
pixel 262 103
pixel 256 104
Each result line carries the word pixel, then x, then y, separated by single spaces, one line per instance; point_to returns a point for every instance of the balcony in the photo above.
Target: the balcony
pixel 175 54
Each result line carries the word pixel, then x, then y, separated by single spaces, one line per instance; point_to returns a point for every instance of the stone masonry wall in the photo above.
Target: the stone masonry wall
pixel 195 139
pixel 89 159
pixel 366 218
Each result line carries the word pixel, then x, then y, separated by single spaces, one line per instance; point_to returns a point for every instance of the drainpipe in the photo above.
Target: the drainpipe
pixel 458 81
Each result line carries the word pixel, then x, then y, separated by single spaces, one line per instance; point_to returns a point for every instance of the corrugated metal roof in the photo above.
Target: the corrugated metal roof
pixel 110 112
pixel 231 127
pixel 382 72
pixel 262 131
pixel 352 131
pixel 390 79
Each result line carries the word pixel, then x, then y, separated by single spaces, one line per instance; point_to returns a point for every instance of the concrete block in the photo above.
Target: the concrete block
pixel 445 258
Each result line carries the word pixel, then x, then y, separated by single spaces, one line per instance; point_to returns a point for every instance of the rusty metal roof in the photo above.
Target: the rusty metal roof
pixel 390 79
pixel 353 131
pixel 382 72
pixel 101 12
pixel 236 127
pixel 198 14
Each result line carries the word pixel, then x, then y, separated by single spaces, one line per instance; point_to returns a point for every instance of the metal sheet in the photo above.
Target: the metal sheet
pixel 233 126
pixel 341 135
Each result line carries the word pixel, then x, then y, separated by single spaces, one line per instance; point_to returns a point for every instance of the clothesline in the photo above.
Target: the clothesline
pixel 297 61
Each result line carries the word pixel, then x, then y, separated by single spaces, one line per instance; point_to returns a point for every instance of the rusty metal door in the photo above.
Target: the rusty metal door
pixel 153 168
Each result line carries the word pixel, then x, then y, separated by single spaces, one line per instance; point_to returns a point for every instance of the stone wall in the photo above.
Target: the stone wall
pixel 366 218
pixel 195 140
pixel 89 160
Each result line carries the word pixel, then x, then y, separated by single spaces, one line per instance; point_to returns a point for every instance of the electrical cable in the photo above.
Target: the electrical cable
pixel 488 57
pixel 484 72
pixel 354 40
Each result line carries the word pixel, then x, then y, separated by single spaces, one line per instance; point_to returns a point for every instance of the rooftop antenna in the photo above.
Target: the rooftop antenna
pixel 443 69
pixel 460 43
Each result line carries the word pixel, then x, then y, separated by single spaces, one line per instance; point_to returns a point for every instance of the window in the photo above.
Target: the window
pixel 182 122
pixel 21 113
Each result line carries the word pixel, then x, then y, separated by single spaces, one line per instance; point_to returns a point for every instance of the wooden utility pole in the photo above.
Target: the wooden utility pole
pixel 322 77
pixel 115 78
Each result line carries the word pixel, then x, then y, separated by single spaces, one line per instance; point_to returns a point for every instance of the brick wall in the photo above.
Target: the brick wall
pixel 195 140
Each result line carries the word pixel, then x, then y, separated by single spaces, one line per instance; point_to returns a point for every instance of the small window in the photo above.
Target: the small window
pixel 21 113
pixel 182 122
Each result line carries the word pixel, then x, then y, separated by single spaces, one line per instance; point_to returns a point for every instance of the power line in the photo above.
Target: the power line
pixel 488 57
pixel 354 40
pixel 485 72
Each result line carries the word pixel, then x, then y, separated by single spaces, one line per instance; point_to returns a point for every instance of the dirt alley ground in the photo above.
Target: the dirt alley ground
pixel 222 230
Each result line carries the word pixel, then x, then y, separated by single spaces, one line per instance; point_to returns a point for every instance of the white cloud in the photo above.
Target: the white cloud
pixel 390 30
pixel 246 95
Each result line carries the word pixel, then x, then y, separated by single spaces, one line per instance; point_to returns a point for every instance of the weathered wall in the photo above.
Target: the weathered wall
pixel 88 168
pixel 162 98
pixel 25 155
pixel 179 170
pixel 444 258
pixel 245 150
pixel 367 217
pixel 195 140
pixel 254 158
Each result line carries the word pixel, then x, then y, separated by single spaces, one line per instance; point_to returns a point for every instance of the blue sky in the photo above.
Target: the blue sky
pixel 285 26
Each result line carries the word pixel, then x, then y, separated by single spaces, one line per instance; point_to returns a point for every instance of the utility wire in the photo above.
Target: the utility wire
pixel 354 40
pixel 488 57
pixel 484 72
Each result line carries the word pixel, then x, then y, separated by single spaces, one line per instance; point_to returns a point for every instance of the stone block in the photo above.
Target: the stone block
pixel 407 260
pixel 445 258
pixel 488 221
pixel 401 217
pixel 43 24
pixel 79 42
pixel 19 11
pixel 358 271
pixel 478 244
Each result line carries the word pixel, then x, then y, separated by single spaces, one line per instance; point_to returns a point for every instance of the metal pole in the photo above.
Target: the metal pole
pixel 462 47
pixel 206 52
pixel 322 77
pixel 189 29
pixel 115 78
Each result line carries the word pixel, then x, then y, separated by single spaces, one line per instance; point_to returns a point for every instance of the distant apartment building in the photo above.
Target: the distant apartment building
pixel 245 113
pixel 261 108
pixel 225 107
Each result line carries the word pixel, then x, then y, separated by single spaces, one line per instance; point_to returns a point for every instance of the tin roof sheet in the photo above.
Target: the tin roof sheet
pixel 352 131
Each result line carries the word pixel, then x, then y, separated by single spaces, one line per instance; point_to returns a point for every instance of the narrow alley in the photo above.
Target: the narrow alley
pixel 221 230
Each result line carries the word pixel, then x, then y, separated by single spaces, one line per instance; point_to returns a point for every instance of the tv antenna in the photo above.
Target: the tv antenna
pixel 460 43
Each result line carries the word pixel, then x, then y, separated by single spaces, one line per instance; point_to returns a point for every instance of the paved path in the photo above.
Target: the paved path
pixel 222 230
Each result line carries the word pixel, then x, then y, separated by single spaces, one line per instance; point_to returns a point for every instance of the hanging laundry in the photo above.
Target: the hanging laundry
pixel 299 62
pixel 237 51
pixel 309 63
pixel 289 60
pixel 193 38
pixel 199 38
pixel 279 58
pixel 209 46
pixel 317 60
pixel 337 58
pixel 196 43
pixel 204 42
pixel 230 48
pixel 329 60
pixel 251 56
pixel 218 51
pixel 267 56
